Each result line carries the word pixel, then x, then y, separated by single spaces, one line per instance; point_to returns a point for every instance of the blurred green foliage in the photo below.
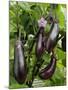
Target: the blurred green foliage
pixel 28 15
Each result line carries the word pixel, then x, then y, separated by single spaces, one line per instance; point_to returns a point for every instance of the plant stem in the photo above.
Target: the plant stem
pixel 35 70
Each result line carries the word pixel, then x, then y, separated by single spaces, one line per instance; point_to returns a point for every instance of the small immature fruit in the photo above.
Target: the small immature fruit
pixel 19 63
pixel 48 71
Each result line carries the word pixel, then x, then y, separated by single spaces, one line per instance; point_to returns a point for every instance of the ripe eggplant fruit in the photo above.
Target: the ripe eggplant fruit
pixel 48 71
pixel 19 63
pixel 52 38
pixel 64 43
pixel 39 44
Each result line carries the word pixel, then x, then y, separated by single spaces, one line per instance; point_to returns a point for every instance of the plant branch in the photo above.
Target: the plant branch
pixel 35 71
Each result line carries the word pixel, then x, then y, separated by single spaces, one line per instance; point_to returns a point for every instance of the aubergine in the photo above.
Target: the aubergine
pixel 39 43
pixel 53 37
pixel 20 70
pixel 64 43
pixel 48 71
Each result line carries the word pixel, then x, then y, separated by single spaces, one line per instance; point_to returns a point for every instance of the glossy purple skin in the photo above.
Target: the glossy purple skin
pixel 39 44
pixel 48 71
pixel 49 45
pixel 19 63
pixel 52 38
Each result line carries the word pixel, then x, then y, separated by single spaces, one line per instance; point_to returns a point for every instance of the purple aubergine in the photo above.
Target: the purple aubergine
pixel 39 44
pixel 19 63
pixel 48 71
pixel 52 38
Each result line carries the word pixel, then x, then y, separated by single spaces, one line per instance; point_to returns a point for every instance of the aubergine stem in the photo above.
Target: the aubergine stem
pixel 35 71
pixel 64 43
pixel 33 42
pixel 17 21
pixel 48 71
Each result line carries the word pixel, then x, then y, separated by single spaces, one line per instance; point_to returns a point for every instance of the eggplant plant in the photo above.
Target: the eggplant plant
pixel 30 54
